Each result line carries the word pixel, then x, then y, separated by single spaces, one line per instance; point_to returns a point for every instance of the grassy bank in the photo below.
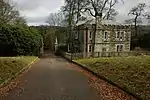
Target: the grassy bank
pixel 9 66
pixel 131 73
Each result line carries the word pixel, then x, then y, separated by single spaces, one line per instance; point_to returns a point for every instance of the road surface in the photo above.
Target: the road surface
pixel 52 78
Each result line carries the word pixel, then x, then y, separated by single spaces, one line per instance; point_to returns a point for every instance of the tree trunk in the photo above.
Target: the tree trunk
pixel 135 26
pixel 94 36
pixel 97 20
pixel 135 36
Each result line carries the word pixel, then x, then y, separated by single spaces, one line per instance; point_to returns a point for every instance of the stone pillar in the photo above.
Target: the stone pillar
pixel 56 44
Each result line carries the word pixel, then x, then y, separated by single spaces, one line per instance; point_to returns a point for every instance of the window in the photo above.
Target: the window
pixel 76 35
pixel 105 35
pixel 90 34
pixel 90 41
pixel 121 35
pixel 104 50
pixel 93 25
pixel 119 48
pixel 90 48
pixel 118 35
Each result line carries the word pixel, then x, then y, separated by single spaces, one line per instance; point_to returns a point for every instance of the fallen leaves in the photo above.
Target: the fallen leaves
pixel 104 89
pixel 5 90
pixel 130 73
pixel 14 83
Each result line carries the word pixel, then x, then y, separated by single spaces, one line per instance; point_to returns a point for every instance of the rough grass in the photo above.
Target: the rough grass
pixel 9 66
pixel 131 73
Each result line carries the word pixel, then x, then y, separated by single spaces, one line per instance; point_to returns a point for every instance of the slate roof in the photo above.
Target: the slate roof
pixel 106 22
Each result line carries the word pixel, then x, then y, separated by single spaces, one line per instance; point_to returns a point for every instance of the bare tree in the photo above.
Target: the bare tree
pixel 19 21
pixel 138 12
pixel 80 10
pixel 69 11
pixel 147 16
pixel 51 20
pixel 55 19
pixel 101 9
pixel 131 21
pixel 74 10
pixel 7 12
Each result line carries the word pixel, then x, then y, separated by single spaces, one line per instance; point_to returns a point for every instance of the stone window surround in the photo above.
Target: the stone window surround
pixel 105 35
pixel 120 46
pixel 120 36
pixel 104 49
pixel 90 34
pixel 90 48
pixel 76 35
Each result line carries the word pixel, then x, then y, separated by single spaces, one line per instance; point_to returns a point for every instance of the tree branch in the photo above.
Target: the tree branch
pixel 107 15
pixel 87 9
pixel 105 2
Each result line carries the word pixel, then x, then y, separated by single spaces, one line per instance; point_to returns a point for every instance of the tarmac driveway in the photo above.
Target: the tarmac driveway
pixel 52 78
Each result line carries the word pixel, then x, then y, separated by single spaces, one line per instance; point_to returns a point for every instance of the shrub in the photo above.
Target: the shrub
pixel 17 40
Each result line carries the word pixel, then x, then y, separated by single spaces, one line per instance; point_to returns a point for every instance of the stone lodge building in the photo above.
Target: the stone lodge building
pixel 108 36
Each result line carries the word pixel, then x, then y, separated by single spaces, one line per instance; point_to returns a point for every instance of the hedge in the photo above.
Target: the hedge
pixel 19 40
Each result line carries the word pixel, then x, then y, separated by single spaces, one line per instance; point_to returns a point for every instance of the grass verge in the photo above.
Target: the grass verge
pixel 10 66
pixel 130 73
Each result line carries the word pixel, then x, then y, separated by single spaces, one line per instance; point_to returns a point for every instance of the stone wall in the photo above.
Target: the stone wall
pixel 111 42
pixel 100 43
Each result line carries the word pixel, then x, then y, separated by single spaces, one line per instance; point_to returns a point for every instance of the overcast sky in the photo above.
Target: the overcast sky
pixel 36 11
